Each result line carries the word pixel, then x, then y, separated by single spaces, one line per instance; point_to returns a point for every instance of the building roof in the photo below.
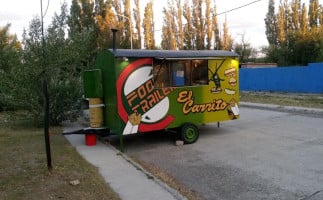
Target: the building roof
pixel 172 54
pixel 257 65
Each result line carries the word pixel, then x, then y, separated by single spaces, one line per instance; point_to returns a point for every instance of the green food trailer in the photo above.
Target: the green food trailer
pixel 138 91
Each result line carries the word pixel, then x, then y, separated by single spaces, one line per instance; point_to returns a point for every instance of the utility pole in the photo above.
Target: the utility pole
pixel 45 93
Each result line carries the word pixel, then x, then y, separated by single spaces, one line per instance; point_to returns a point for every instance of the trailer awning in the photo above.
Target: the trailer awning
pixel 172 54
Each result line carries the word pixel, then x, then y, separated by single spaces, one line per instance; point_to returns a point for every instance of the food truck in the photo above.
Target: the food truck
pixel 139 91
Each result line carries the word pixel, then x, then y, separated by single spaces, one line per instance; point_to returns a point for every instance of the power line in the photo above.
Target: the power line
pixel 237 8
pixel 227 11
pixel 43 15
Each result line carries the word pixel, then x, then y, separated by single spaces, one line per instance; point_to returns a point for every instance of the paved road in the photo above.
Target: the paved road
pixel 264 155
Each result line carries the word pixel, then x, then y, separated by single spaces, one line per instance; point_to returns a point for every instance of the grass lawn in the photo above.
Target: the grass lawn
pixel 23 165
pixel 284 99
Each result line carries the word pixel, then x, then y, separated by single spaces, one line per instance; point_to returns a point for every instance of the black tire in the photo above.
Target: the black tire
pixel 189 133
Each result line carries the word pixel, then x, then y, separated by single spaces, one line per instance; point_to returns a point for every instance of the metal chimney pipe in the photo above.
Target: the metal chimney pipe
pixel 114 37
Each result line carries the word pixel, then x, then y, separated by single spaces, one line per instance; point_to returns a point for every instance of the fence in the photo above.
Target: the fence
pixel 305 79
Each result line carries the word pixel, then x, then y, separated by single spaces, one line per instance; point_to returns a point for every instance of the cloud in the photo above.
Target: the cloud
pixel 17 22
pixel 7 16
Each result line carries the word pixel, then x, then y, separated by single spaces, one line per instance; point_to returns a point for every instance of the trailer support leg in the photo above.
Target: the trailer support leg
pixel 121 143
pixel 218 124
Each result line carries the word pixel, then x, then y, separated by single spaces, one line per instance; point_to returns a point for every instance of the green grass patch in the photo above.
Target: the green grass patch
pixel 23 165
pixel 284 99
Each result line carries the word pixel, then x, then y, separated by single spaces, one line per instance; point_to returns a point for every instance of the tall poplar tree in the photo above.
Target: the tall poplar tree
pixel 281 28
pixel 148 25
pixel 105 21
pixel 208 24
pixel 198 23
pixel 296 14
pixel 216 30
pixel 288 16
pixel 189 31
pixel 137 19
pixel 117 7
pixel 271 24
pixel 179 19
pixel 87 17
pixel 313 13
pixel 170 29
pixel 191 24
pixel 304 19
pixel 127 28
pixel 321 15
pixel 226 40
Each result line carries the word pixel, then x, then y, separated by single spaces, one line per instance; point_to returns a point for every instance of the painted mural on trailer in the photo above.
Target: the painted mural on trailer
pixel 157 94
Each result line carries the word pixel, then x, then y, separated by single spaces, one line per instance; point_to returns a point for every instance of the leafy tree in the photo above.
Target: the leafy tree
pixel 123 21
pixel 296 12
pixel 313 13
pixel 104 22
pixel 10 51
pixel 81 24
pixel 74 21
pixel 198 23
pixel 226 40
pixel 137 18
pixel 307 47
pixel 215 28
pixel 179 20
pixel 9 48
pixel 127 30
pixel 168 32
pixel 62 67
pixel 190 25
pixel 208 24
pixel 188 28
pixel 100 8
pixel 270 22
pixel 321 15
pixel 148 26
pixel 299 33
pixel 281 25
pixel 244 49
pixel 304 19
pixel 170 27
pixel 27 91
pixel 174 31
pixel 104 19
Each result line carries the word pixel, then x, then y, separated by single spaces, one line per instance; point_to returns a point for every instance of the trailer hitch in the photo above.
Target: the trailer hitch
pixel 89 130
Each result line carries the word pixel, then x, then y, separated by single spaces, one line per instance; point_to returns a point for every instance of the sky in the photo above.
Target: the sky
pixel 248 20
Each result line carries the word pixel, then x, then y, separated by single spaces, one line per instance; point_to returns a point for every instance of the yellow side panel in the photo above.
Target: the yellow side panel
pixel 223 89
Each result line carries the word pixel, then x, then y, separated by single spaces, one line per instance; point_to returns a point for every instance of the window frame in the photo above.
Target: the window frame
pixel 187 72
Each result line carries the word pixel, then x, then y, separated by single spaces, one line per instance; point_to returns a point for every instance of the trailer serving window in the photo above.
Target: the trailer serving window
pixel 176 73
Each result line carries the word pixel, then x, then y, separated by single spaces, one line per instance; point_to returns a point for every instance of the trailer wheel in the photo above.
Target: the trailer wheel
pixel 189 133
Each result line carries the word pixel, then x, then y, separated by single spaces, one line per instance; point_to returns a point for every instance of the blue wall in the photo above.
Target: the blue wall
pixel 307 79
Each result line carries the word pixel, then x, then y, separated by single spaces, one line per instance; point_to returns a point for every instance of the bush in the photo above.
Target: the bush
pixel 59 61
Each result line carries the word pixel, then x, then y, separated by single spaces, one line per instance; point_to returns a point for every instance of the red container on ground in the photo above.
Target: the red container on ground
pixel 90 139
